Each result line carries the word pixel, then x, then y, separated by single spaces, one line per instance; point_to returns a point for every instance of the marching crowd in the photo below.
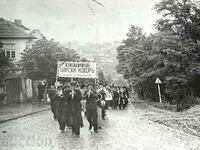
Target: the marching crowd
pixel 70 100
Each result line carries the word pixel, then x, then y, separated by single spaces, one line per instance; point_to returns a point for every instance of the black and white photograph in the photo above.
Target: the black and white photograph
pixel 99 74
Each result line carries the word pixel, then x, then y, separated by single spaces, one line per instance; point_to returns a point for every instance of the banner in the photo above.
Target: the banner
pixel 76 69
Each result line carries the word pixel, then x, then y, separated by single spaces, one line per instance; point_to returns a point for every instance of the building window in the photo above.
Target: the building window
pixel 8 53
pixel 13 54
pixel 9 50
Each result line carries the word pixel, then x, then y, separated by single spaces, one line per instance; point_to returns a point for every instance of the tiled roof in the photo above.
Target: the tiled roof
pixel 12 30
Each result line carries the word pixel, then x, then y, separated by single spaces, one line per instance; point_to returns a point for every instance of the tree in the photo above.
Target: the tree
pixel 163 55
pixel 40 61
pixel 181 17
pixel 172 54
pixel 4 63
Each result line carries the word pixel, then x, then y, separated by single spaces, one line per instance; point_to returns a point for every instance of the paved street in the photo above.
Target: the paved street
pixel 13 111
pixel 123 129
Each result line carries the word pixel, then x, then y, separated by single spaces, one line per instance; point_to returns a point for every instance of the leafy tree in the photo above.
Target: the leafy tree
pixel 181 17
pixel 173 54
pixel 40 61
pixel 163 55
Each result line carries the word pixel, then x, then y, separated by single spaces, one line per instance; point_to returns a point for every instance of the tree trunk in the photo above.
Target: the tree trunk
pixel 191 92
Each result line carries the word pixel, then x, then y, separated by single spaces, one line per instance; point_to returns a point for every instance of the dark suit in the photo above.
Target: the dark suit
pixel 91 108
pixel 67 106
pixel 60 111
pixel 74 108
pixel 53 102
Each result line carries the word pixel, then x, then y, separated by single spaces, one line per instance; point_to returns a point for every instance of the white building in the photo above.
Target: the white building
pixel 15 38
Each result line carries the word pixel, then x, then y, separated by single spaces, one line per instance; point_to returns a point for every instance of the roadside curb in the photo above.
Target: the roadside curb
pixel 169 128
pixel 24 115
pixel 175 130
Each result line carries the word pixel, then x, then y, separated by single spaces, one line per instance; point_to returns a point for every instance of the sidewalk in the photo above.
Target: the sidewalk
pixel 14 111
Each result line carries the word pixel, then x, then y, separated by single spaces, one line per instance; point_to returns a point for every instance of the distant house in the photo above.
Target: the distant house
pixel 16 38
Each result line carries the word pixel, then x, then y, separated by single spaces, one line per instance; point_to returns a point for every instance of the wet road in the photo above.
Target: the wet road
pixel 123 129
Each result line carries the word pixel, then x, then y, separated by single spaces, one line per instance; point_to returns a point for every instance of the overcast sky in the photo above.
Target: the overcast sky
pixel 72 20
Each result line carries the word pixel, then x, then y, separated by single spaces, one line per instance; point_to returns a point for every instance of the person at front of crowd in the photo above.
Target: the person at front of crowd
pixel 60 108
pixel 100 105
pixel 53 103
pixel 102 92
pixel 91 97
pixel 66 91
pixel 74 104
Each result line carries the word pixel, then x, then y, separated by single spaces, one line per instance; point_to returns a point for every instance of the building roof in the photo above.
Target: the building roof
pixel 10 29
pixel 36 33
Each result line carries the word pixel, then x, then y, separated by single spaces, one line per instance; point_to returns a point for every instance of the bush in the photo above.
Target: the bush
pixel 187 103
pixel 181 106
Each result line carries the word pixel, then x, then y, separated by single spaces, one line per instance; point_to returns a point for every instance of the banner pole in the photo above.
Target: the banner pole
pixel 57 72
pixel 95 80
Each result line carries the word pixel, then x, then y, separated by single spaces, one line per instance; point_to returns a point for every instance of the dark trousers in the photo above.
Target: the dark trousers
pixel 114 104
pixel 75 124
pixel 92 118
pixel 122 103
pixel 53 108
pixel 61 124
pixel 103 113
pixel 68 121
pixel 110 102
pixel 61 111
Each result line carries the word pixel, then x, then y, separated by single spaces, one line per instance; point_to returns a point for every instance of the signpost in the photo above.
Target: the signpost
pixel 158 82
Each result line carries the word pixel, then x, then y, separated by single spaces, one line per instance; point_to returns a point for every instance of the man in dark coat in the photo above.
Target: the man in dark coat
pixel 74 105
pixel 60 108
pixel 115 96
pixel 53 102
pixel 91 97
pixel 66 91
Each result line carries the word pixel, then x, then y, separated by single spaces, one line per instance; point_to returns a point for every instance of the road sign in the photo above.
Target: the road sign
pixel 158 82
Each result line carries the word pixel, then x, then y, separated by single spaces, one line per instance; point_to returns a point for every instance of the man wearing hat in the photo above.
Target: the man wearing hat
pixel 102 92
pixel 91 97
pixel 74 105
pixel 60 108
pixel 66 90
pixel 53 103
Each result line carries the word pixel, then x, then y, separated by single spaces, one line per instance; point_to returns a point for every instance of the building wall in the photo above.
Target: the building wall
pixel 26 92
pixel 18 89
pixel 12 90
pixel 20 45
